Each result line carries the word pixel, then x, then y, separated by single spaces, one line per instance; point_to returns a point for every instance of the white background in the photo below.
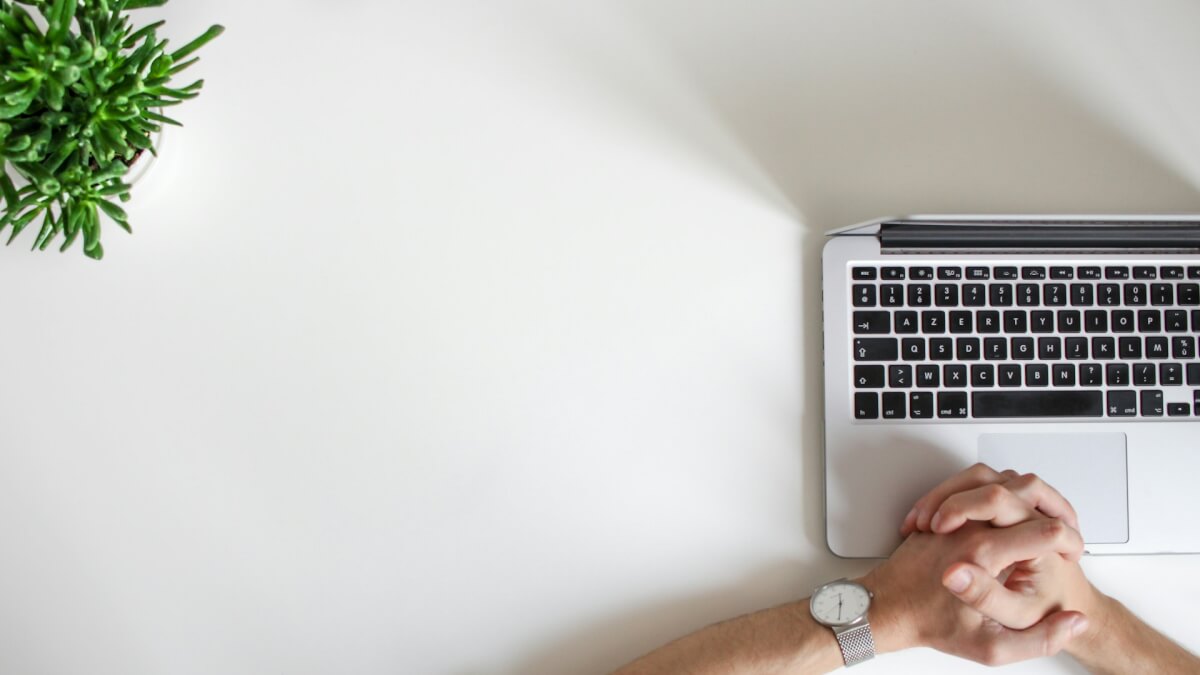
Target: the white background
pixel 483 337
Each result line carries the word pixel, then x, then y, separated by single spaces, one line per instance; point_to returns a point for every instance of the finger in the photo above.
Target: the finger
pixel 1045 638
pixel 996 549
pixel 993 503
pixel 1044 498
pixel 923 510
pixel 984 593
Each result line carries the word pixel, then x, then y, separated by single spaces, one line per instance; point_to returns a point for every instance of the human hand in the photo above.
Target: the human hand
pixel 913 607
pixel 1031 587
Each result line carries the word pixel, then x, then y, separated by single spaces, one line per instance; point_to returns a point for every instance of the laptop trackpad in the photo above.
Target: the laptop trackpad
pixel 1088 469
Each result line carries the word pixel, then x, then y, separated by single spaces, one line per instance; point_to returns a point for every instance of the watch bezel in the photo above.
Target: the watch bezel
pixel 858 620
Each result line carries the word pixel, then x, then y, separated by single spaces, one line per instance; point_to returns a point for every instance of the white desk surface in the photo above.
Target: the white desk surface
pixel 468 337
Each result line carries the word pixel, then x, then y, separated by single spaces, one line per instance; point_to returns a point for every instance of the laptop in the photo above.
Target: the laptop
pixel 1065 346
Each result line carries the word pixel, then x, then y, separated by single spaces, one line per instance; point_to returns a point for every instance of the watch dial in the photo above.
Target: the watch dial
pixel 840 603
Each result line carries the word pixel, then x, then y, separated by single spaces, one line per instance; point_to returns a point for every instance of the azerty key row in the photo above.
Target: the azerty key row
pixel 936 321
pixel 1026 295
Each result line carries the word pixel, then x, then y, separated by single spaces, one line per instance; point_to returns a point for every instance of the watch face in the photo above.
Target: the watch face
pixel 840 603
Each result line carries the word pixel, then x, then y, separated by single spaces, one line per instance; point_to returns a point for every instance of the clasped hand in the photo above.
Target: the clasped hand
pixel 1010 588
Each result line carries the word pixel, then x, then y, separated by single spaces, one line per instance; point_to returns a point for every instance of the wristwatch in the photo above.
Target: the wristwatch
pixel 842 605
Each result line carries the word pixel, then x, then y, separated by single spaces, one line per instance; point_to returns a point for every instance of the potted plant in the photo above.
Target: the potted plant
pixel 82 94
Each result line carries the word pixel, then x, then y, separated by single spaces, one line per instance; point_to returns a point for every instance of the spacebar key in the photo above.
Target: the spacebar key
pixel 1037 404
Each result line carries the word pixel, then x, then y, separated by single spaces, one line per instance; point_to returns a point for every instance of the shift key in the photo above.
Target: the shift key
pixel 876 349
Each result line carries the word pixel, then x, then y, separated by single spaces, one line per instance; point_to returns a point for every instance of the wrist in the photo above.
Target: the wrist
pixel 1099 610
pixel 890 627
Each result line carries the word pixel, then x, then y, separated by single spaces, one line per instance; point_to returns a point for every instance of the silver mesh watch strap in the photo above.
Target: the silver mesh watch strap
pixel 857 644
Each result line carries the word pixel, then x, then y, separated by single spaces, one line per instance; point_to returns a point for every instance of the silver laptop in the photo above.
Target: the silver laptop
pixel 1060 345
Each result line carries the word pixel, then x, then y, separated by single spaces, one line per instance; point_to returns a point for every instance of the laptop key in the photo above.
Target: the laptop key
pixel 995 349
pixel 868 323
pixel 983 375
pixel 899 377
pixel 1089 273
pixel 954 375
pixel 1062 273
pixel 920 405
pixel 1122 403
pixel 891 295
pixel 1145 273
pixel 1193 375
pixel 1091 375
pixel 1194 272
pixel 1189 295
pixel 1036 375
pixel 1118 374
pixel 1129 347
pixel 1104 348
pixel 863 295
pixel 945 295
pixel 868 377
pixel 1108 295
pixel 1095 321
pixel 1017 321
pixel 1152 403
pixel 1069 321
pixel 1050 403
pixel 893 405
pixel 1171 272
pixel 1179 409
pixel 1145 375
pixel 1183 347
pixel 974 295
pixel 1149 321
pixel 1162 294
pixel 1170 374
pixel 893 273
pixel 950 273
pixel 912 349
pixel 863 273
pixel 933 321
pixel 1076 348
pixel 928 376
pixel 876 349
pixel 920 273
pixel 1033 272
pixel 961 322
pixel 1176 320
pixel 1135 295
pixel 941 349
pixel 1028 295
pixel 987 321
pixel 952 404
pixel 1054 295
pixel 919 295
pixel 1006 273
pixel 906 322
pixel 1041 322
pixel 1022 349
pixel 1116 272
pixel 979 273
pixel 1156 348
pixel 866 405
pixel 1000 295
pixel 1082 295
pixel 1122 321
pixel 1009 375
pixel 1063 375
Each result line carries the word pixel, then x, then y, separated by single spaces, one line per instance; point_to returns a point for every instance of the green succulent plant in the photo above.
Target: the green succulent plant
pixel 81 94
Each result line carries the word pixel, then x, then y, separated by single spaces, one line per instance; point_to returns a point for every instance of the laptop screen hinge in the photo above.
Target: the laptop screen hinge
pixel 1023 236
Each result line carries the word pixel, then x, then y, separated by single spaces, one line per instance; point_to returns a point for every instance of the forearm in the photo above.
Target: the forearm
pixel 1120 643
pixel 783 640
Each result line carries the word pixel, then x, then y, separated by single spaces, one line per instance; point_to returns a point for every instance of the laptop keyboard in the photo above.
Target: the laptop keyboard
pixel 1025 341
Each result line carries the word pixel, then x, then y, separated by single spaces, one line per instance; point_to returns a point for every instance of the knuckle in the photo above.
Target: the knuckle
pixel 992 655
pixel 981 470
pixel 995 494
pixel 1052 528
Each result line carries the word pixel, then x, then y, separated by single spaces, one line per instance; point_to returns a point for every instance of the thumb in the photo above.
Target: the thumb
pixel 1045 638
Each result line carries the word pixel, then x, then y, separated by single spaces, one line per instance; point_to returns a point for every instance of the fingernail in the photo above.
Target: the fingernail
pixel 937 518
pixel 1078 625
pixel 911 517
pixel 958 582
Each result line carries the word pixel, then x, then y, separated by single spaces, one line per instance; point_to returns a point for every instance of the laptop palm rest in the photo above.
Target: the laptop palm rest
pixel 1088 469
